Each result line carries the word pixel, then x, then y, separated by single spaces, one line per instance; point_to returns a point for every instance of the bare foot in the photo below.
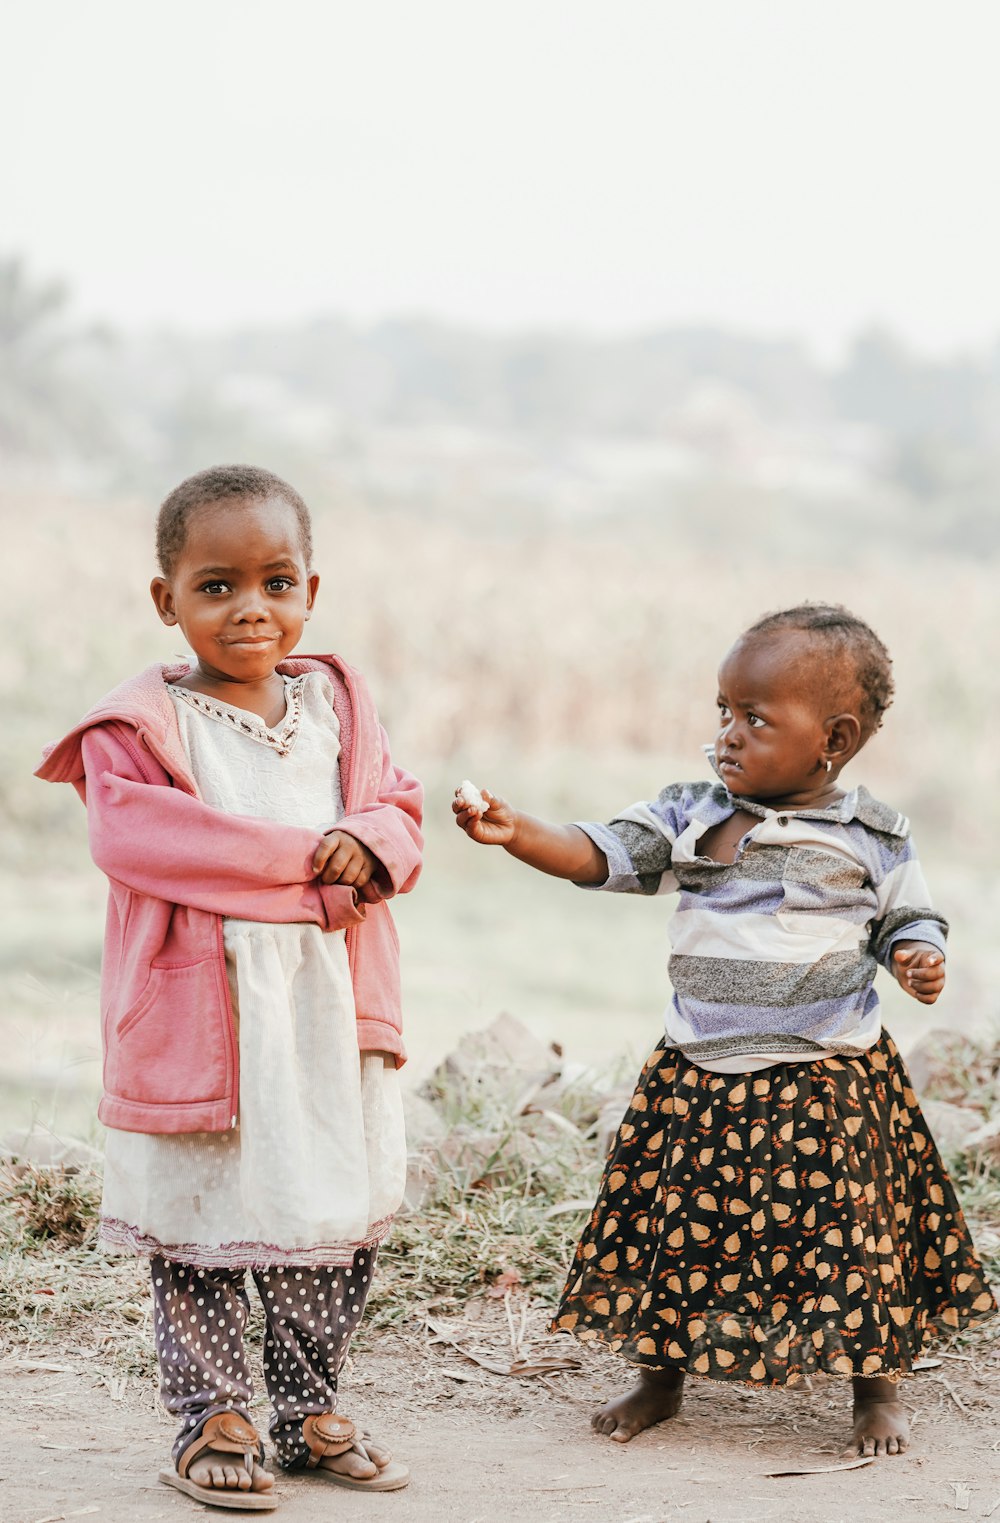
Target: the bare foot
pixel 656 1397
pixel 216 1471
pixel 880 1422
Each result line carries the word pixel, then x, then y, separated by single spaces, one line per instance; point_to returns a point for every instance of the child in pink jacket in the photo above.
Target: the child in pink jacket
pixel 252 826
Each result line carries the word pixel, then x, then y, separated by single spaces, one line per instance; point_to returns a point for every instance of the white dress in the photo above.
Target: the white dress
pixel 316 1167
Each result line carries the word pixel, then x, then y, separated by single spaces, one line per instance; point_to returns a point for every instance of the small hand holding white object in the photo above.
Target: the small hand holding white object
pixel 470 797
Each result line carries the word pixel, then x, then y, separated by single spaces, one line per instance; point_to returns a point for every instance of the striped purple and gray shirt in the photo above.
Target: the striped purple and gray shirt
pixel 773 955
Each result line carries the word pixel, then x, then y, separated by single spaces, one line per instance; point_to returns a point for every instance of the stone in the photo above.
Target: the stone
pixel 933 1061
pixel 504 1047
pixel 986 1139
pixel 39 1148
pixel 951 1125
pixel 610 1119
pixel 425 1126
pixel 421 1173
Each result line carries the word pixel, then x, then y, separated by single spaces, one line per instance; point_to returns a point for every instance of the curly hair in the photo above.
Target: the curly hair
pixel 854 651
pixel 222 483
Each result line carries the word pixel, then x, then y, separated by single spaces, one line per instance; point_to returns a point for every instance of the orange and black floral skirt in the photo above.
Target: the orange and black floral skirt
pixel 759 1227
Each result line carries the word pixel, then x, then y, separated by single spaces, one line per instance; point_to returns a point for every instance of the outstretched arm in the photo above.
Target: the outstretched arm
pixel 564 851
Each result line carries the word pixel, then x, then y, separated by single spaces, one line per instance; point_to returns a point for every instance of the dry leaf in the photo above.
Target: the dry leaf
pixel 44 1366
pixel 508 1279
pixel 544 1366
pixel 926 1364
pixel 960 1404
pixel 59 1517
pixel 522 1368
pixel 563 1207
pixel 446 1337
pixel 824 1469
pixel 963 1495
pixel 561 1122
pixel 583 1486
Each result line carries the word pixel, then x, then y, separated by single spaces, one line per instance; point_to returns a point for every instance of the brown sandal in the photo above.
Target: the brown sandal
pixel 228 1433
pixel 330 1434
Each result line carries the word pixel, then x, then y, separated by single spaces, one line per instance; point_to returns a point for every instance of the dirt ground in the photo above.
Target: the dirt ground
pixel 78 1442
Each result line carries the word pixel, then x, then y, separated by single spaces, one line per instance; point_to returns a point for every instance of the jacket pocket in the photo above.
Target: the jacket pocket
pixel 822 893
pixel 174 1044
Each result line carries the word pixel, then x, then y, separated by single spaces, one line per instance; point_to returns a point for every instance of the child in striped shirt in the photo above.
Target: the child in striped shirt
pixel 773 1204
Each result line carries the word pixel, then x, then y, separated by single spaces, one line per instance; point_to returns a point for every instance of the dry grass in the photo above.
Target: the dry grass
pixel 510 1179
pixel 55 1204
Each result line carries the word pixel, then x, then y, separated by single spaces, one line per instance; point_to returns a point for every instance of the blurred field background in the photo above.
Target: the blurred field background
pixel 588 339
pixel 537 548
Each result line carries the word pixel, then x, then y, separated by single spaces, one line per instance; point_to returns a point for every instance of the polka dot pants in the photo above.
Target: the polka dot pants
pixel 200 1319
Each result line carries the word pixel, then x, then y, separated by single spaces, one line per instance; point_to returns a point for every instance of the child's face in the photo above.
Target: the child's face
pixel 774 736
pixel 240 589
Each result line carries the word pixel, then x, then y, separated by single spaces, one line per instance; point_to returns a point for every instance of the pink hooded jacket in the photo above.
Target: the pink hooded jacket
pixel 176 867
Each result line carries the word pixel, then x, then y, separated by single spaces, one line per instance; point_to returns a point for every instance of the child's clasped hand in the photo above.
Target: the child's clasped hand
pixel 341 858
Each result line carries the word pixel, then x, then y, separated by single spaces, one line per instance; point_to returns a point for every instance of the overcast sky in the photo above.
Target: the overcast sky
pixel 785 166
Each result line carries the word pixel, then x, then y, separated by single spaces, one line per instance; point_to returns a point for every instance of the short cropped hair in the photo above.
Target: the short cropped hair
pixel 853 646
pixel 219 484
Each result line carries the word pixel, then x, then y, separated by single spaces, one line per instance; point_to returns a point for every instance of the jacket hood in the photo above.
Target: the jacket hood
pixel 143 703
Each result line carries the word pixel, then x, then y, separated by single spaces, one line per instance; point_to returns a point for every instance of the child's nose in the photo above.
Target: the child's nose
pixel 253 611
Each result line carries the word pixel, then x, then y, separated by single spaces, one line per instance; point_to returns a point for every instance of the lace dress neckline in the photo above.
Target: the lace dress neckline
pixel 279 738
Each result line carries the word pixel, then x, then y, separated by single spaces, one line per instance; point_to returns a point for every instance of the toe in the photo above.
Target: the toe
pixel 263 1480
pixel 353 1464
pixel 601 1422
pixel 868 1448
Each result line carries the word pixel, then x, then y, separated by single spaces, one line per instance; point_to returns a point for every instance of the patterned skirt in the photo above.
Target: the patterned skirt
pixel 760 1227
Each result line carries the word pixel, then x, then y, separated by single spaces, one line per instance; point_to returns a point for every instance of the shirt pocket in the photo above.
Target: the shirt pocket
pixel 825 894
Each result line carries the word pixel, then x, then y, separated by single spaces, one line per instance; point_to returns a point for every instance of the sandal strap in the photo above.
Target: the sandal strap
pixel 328 1435
pixel 228 1432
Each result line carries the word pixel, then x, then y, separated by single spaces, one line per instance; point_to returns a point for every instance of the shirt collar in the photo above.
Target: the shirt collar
pixel 858 804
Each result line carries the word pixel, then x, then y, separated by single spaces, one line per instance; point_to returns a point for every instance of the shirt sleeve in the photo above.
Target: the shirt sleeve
pixel 904 908
pixel 638 844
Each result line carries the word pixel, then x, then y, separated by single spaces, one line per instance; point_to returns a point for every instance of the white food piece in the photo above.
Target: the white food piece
pixel 471 797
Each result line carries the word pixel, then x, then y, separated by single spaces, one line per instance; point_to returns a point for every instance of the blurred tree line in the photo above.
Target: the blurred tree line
pixel 918 438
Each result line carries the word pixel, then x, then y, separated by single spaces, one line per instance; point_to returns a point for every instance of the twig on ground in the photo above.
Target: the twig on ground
pixel 960 1404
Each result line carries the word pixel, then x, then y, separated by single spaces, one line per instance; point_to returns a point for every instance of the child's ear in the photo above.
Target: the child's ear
pixel 312 587
pixel 159 591
pixel 843 738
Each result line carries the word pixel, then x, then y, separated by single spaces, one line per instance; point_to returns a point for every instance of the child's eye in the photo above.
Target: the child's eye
pixel 754 721
pixel 279 584
pixel 214 588
pixel 724 711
